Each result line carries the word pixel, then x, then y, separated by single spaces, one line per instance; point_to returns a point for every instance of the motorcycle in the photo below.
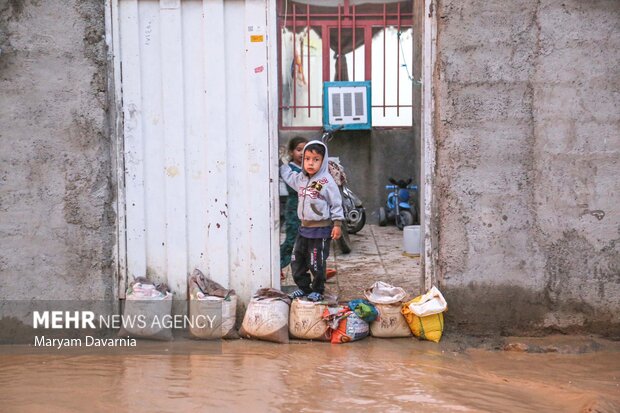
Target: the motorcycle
pixel 398 207
pixel 355 214
pixel 353 209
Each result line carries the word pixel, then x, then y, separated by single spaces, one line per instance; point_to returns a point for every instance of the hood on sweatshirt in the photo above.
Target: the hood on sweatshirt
pixel 324 165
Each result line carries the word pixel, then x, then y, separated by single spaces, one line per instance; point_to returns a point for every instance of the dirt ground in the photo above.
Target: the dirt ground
pixel 377 255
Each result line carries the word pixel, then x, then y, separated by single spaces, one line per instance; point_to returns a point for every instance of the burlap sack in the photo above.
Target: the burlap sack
pixel 212 308
pixel 306 321
pixel 266 317
pixel 390 323
pixel 147 319
pixel 222 313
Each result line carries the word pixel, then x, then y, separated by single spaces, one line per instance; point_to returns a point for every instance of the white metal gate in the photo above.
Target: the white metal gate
pixel 198 139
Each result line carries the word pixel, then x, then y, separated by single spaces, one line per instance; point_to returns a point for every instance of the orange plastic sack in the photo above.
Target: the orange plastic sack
pixel 345 325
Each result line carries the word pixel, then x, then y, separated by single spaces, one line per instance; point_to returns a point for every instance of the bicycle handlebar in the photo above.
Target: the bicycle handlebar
pixel 412 187
pixel 327 135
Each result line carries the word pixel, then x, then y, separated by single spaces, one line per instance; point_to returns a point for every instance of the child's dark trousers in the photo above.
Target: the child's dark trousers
pixel 310 254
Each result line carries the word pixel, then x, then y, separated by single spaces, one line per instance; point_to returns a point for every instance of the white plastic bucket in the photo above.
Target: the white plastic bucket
pixel 411 239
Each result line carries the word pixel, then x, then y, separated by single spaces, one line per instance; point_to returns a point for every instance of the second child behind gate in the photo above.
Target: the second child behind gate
pixel 320 212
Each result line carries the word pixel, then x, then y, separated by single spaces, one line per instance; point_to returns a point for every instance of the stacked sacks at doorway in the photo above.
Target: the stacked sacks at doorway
pixel 147 306
pixel 212 307
pixel 350 322
pixel 266 317
pixel 424 315
pixel 387 299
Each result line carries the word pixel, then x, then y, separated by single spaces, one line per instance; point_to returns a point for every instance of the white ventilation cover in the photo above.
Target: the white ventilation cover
pixel 347 105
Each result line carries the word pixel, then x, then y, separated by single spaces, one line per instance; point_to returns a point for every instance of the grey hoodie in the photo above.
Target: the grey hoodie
pixel 319 196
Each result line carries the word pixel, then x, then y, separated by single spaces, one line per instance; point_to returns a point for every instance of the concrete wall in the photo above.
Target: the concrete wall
pixel 370 158
pixel 528 145
pixel 56 215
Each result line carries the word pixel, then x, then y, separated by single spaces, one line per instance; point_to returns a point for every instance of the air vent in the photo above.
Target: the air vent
pixel 346 105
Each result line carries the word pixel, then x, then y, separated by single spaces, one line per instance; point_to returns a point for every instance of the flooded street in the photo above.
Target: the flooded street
pixel 372 375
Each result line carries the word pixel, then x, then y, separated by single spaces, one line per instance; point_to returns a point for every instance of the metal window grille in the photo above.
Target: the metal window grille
pixel 342 28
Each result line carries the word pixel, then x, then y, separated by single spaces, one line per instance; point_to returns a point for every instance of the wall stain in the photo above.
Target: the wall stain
pixel 172 171
pixel 597 213
pixel 573 265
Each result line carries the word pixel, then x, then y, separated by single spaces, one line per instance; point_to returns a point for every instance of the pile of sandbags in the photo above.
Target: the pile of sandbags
pixel 270 316
pixel 212 307
pixel 387 299
pixel 266 317
pixel 147 305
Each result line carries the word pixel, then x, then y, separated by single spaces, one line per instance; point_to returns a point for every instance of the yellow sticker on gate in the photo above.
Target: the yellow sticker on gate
pixel 256 38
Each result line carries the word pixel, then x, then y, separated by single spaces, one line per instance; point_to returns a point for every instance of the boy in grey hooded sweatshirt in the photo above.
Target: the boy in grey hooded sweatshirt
pixel 320 212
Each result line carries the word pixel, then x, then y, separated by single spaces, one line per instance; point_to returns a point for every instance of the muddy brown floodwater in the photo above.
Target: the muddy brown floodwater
pixel 398 375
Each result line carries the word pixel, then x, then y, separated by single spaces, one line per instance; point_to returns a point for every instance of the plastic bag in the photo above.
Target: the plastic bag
pixel 384 293
pixel 201 287
pixel 364 310
pixel 345 325
pixel 428 304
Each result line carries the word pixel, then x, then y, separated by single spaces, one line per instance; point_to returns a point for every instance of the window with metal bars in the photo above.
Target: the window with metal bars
pixel 345 40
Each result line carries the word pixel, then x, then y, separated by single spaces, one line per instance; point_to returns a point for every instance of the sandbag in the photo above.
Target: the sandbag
pixel 306 321
pixel 148 307
pixel 212 307
pixel 429 327
pixel 424 315
pixel 222 313
pixel 345 325
pixel 390 323
pixel 384 293
pixel 266 317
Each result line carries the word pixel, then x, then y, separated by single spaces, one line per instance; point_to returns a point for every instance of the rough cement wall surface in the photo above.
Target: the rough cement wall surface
pixel 56 215
pixel 528 145
pixel 369 158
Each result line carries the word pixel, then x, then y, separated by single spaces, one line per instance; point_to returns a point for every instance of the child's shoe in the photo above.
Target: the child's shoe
pixel 314 296
pixel 296 294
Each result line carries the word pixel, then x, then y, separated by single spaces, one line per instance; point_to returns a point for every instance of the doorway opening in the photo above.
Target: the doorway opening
pixel 380 42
